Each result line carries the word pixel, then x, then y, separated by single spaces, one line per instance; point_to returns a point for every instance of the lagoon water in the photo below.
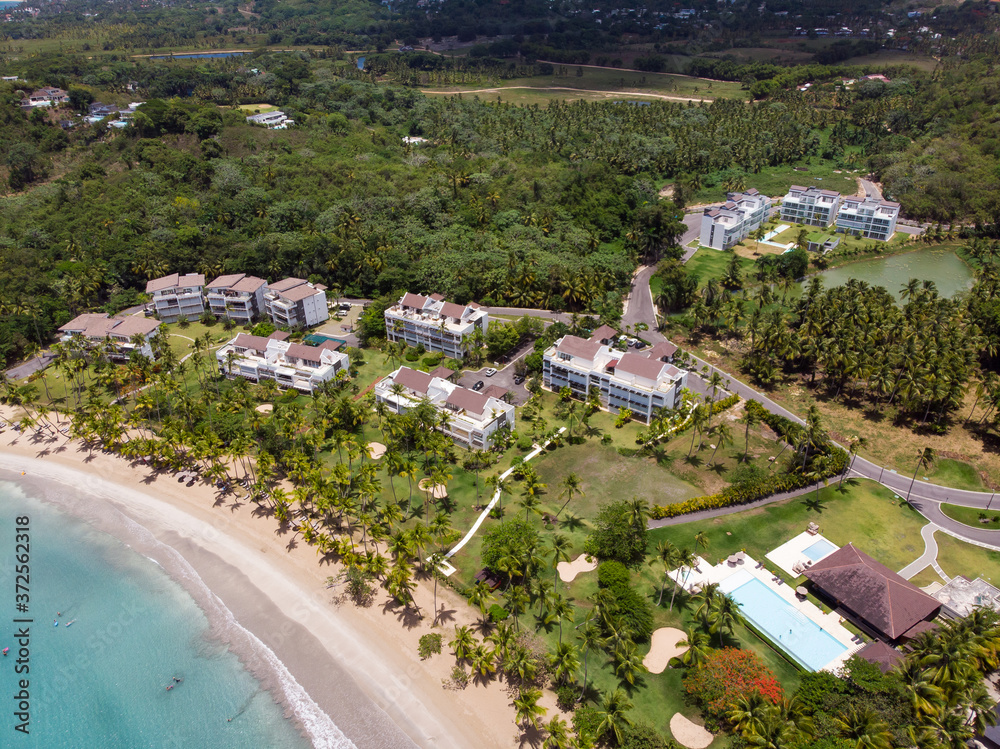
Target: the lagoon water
pixel 101 683
pixel 949 273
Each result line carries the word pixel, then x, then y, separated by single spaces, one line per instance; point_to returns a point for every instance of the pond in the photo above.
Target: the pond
pixel 361 63
pixel 946 269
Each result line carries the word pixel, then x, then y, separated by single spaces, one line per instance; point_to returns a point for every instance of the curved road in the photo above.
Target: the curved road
pixel 925 497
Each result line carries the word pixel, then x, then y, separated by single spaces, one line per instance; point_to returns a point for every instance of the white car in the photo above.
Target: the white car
pixel 490 372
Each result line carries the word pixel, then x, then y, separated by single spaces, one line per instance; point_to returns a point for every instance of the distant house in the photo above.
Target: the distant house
pixel 176 296
pixel 126 334
pixel 276 120
pixel 879 601
pixel 238 297
pixel 295 303
pixel 289 365
pixel 868 217
pixel 810 205
pixel 727 225
pixel 472 418
pixel 47 97
pixel 97 109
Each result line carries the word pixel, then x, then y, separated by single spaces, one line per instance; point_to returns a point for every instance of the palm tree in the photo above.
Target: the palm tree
pixel 464 642
pixel 866 729
pixel 666 554
pixel 750 419
pixel 701 540
pixel 614 715
pixel 698 646
pixel 697 424
pixel 564 662
pixel 527 710
pixel 924 459
pixel 723 436
pixel 530 503
pixel 570 486
pixel 748 712
pixel 559 545
pixel 685 559
pixel 558 734
pixel 856 444
pixel 727 615
pixel 590 639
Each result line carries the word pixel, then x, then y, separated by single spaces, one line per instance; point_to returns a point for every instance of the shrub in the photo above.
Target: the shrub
pixel 814 688
pixel 616 537
pixel 432 361
pixel 497 613
pixel 459 678
pixel 643 736
pixel 524 443
pixel 412 355
pixel 586 722
pixel 182 321
pixel 612 574
pixel 430 644
pixel 263 329
pixel 207 318
pixel 724 677
pixel 632 610
pixel 513 537
pixel 566 696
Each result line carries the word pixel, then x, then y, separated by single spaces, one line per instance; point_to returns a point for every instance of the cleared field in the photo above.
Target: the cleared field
pixel 599 84
pixel 895 57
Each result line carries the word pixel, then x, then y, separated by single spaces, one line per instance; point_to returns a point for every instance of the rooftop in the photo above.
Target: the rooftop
pixel 574 346
pixel 640 366
pixel 412 379
pixel 175 280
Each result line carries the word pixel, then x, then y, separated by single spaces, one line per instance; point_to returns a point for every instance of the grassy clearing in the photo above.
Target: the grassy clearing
pixel 707 263
pixel 895 57
pixel 970 516
pixel 959 558
pixel 955 473
pixel 864 514
pixel 925 577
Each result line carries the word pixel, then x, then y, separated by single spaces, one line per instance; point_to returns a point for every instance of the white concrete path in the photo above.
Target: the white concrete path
pixel 928 558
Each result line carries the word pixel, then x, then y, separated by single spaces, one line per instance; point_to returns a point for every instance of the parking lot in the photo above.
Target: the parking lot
pixel 504 378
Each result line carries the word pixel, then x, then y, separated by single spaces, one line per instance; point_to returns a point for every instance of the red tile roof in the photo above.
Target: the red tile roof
pixel 413 380
pixel 469 400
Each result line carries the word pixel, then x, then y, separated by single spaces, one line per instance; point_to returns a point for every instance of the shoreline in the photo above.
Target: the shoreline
pixel 274 587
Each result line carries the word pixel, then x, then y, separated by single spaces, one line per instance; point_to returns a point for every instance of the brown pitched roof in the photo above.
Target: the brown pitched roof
pixel 134 325
pixel 574 346
pixel 298 293
pixel 662 349
pixel 302 351
pixel 225 282
pixel 495 391
pixel 279 335
pixel 640 366
pixel 470 400
pixel 158 284
pixel 437 297
pixel 254 342
pixel 413 300
pixel 883 599
pixel 249 284
pixel 286 284
pixel 443 372
pixel 413 380
pixel 603 333
pixel 450 309
pixel 881 655
pixel 86 321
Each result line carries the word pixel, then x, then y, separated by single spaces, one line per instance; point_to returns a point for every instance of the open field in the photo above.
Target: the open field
pixel 895 57
pixel 970 516
pixel 775 180
pixel 598 84
pixel 959 558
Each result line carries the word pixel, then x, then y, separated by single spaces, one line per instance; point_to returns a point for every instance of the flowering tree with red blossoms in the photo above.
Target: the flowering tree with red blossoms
pixel 724 677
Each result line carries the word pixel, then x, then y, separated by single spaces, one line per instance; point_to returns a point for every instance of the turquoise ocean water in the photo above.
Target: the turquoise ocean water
pixel 101 683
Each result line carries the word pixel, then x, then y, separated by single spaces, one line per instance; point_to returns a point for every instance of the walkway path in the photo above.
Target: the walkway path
pixel 446 567
pixel 928 558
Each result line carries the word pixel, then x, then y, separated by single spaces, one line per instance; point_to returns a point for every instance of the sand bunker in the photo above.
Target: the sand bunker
pixel 569 570
pixel 265 408
pixel 664 647
pixel 689 734
pixel 376 450
pixel 440 491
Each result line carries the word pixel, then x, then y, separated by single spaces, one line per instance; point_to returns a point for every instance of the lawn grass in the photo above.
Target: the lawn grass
pixel 925 577
pixel 954 473
pixel 959 558
pixel 970 516
pixel 707 263
pixel 863 513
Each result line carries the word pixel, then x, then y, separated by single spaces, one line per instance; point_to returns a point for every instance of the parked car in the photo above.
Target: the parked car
pixel 639 345
pixel 518 379
pixel 479 385
pixel 490 372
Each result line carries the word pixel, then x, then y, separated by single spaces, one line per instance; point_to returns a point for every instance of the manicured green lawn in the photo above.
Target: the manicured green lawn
pixel 959 558
pixel 970 516
pixel 925 577
pixel 954 473
pixel 865 515
pixel 709 263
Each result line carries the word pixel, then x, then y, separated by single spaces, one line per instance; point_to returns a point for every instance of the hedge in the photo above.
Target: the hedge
pixel 773 484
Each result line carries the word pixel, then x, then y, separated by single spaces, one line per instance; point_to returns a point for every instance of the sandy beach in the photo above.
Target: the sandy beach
pixel 275 587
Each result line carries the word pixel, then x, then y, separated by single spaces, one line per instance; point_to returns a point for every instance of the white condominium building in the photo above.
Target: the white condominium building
pixel 810 205
pixel 473 418
pixel 177 296
pixel 643 383
pixel 294 303
pixel 868 217
pixel 238 297
pixel 126 334
pixel 437 324
pixel 290 365
pixel 732 222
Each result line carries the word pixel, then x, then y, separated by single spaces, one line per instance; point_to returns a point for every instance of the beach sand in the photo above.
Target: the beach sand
pixel 275 586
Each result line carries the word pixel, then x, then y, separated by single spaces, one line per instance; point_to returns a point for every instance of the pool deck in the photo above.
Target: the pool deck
pixel 703 573
pixel 791 556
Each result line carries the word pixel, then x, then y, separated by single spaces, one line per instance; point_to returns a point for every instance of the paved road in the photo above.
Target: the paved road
pixel 31 366
pixel 871 189
pixel 928 558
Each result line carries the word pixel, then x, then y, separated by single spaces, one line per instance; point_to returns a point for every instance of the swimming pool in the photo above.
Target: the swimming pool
pixel 315 339
pixel 787 627
pixel 820 549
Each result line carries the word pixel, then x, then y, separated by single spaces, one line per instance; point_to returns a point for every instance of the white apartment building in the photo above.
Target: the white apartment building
pixel 473 418
pixel 276 120
pixel 238 297
pixel 126 334
pixel 868 217
pixel 731 223
pixel 810 205
pixel 177 296
pixel 437 324
pixel 290 365
pixel 642 382
pixel 294 303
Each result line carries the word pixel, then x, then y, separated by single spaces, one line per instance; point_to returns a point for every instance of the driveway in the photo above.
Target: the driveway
pixel 504 377
pixel 31 366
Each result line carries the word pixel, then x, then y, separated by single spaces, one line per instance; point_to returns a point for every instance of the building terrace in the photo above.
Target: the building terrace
pixel 435 324
pixel 290 365
pixel 126 334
